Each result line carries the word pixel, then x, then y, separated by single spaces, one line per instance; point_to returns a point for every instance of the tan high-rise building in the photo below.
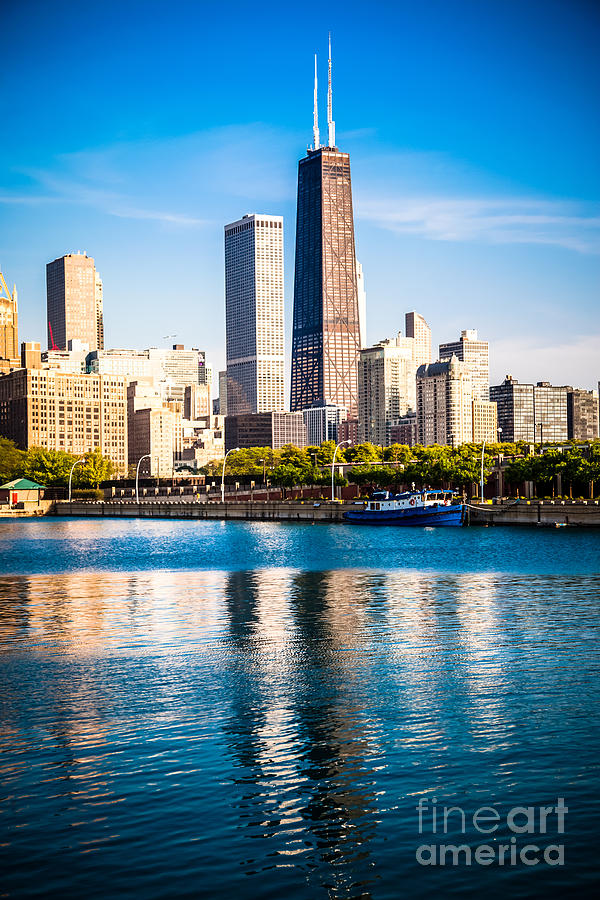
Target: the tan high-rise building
pixel 98 295
pixel 154 429
pixel 386 387
pixel 196 401
pixel 475 353
pixel 485 421
pixel 74 302
pixel 31 355
pixel 9 331
pixel 417 328
pixel 64 411
pixel 445 403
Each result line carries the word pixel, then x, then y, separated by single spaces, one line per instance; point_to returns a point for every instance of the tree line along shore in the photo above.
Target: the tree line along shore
pixel 572 469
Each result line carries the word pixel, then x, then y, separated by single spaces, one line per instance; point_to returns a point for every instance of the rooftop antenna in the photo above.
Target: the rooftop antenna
pixel 317 142
pixel 330 122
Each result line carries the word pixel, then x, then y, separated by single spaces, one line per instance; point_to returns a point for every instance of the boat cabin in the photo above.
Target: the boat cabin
pixel 382 500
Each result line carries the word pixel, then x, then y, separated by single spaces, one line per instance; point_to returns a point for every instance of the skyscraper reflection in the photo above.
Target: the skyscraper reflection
pixel 299 746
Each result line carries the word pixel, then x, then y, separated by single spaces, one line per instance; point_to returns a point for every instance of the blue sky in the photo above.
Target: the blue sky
pixel 135 131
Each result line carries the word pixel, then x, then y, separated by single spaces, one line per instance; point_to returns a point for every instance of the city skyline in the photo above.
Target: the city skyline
pixel 473 232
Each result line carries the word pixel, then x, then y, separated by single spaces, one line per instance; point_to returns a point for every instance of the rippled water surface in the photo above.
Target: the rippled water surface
pixel 203 710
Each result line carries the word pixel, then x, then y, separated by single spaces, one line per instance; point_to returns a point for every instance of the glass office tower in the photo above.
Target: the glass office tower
pixel 326 328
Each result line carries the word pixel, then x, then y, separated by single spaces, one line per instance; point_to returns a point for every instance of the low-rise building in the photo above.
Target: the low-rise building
pixel 203 441
pixel 348 431
pixel 73 359
pixel 322 423
pixel 531 412
pixel 21 492
pixel 404 430
pixel 269 429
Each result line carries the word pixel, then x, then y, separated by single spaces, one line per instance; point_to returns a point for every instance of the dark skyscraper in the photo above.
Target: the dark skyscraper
pixel 326 331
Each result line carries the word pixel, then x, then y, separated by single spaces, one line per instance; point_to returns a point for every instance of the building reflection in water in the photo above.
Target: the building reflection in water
pixel 298 733
pixel 273 728
pixel 94 674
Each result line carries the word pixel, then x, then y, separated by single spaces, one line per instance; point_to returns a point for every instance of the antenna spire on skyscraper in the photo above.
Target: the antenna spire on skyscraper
pixel 316 140
pixel 330 122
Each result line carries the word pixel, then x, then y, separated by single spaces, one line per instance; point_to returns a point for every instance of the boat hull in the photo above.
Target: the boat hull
pixel 427 515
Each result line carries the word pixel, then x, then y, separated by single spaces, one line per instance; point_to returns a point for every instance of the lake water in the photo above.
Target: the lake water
pixel 209 709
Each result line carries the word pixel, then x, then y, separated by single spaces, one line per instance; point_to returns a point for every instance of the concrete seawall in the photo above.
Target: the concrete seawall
pixel 272 510
pixel 522 512
pixel 584 513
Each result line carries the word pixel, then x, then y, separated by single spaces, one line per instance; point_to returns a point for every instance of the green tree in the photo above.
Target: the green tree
pixel 372 477
pixel 294 456
pixel 97 468
pixel 12 460
pixel 574 469
pixel 518 471
pixel 285 476
pixel 466 468
pixel 325 454
pixel 48 467
pixel 361 453
pixel 397 453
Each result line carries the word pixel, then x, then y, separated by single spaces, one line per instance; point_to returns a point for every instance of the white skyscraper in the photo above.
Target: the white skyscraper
pixel 416 327
pixel 254 314
pixel 362 304
pixel 386 387
pixel 475 352
pixel 445 403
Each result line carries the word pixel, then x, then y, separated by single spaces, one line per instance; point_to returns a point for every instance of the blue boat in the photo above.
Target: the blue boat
pixel 409 508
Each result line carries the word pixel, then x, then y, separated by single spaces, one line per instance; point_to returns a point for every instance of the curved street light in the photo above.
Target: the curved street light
pixel 137 475
pixel 341 444
pixel 232 450
pixel 76 463
pixel 481 482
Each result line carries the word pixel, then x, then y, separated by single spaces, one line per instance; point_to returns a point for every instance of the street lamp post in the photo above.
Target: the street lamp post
pixel 341 444
pixel 481 481
pixel 233 450
pixel 76 463
pixel 137 475
pixel 500 476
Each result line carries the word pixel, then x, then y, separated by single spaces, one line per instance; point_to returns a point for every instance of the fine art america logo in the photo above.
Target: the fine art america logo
pixel 530 829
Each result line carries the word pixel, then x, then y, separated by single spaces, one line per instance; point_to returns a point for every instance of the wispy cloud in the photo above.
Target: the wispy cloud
pixel 492 220
pixel 531 359
pixel 68 188
pixel 24 199
pixel 198 179
pixel 171 180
